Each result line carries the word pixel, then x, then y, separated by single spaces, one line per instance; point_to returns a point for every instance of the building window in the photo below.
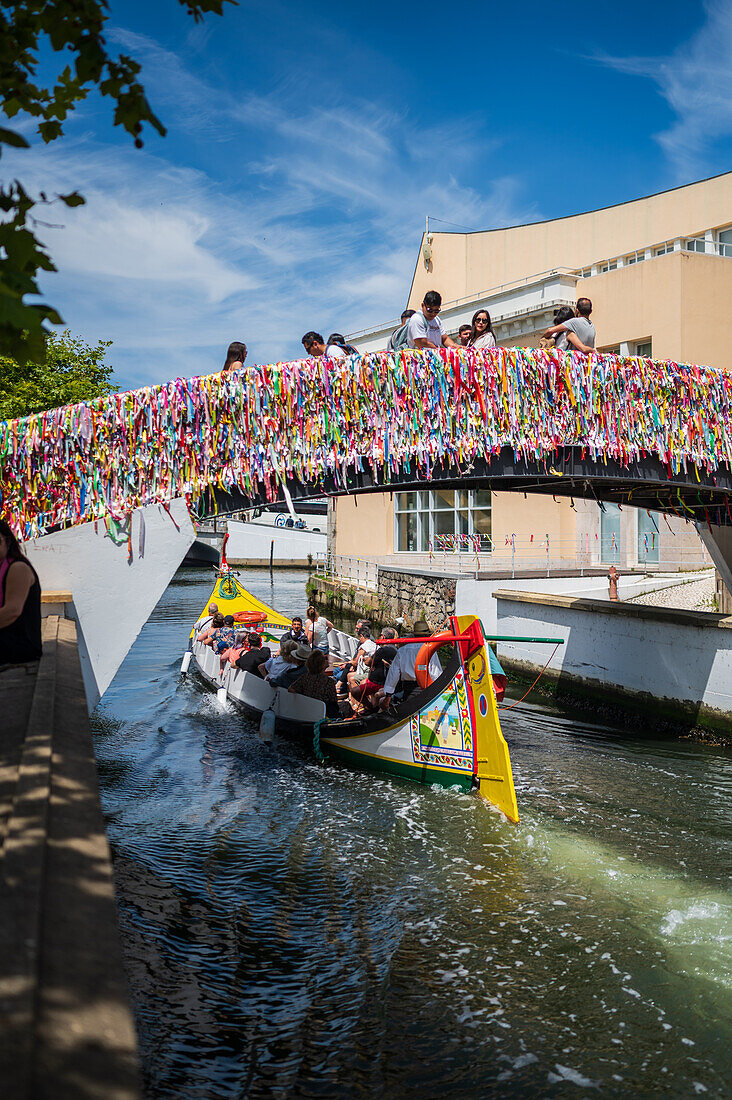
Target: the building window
pixel 644 349
pixel 695 244
pixel 648 537
pixel 610 534
pixel 724 241
pixel 664 248
pixel 439 520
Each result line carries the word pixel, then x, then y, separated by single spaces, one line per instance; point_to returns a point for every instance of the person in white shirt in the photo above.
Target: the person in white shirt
pixel 366 648
pixel 425 327
pixel 403 667
pixel 481 331
pixel 316 346
pixel 205 621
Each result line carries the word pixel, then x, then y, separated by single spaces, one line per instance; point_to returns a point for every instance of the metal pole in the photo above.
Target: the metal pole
pixel 271 557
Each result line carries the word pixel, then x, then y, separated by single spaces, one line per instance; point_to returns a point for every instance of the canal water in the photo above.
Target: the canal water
pixel 293 930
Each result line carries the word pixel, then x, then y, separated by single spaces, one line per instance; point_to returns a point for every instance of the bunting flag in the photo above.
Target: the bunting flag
pixel 314 418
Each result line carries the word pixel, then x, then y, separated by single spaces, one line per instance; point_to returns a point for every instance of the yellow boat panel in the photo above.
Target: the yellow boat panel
pixel 232 597
pixel 493 763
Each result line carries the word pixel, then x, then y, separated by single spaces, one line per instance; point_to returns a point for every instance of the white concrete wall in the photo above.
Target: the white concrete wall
pixel 250 543
pixel 112 597
pixel 683 656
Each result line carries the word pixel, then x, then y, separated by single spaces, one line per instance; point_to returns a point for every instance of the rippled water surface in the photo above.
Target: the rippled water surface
pixel 298 930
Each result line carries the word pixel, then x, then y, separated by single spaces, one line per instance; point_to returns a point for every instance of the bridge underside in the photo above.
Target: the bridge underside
pixel 696 496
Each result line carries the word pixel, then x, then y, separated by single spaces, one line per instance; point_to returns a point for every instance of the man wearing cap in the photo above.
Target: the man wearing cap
pixel 402 671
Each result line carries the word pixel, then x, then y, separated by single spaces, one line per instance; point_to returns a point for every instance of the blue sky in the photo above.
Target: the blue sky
pixel 307 142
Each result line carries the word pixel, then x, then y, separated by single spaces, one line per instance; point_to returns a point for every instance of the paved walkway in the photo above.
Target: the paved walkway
pixel 693 594
pixel 66 1029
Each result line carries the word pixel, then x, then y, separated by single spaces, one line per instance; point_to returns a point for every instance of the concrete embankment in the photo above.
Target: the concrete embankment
pixel 671 665
pixel 66 1029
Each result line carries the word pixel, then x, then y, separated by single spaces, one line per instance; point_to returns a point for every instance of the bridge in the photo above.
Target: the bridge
pixel 647 433
pixel 653 434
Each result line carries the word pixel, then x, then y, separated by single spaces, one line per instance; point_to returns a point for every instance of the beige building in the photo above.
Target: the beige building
pixel 659 273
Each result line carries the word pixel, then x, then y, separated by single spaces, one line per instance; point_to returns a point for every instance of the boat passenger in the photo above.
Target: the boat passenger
pixel 223 636
pixel 296 632
pixel 402 674
pixel 362 695
pixel 235 356
pixel 217 623
pixel 481 331
pixel 257 654
pixel 287 666
pixel 340 672
pixel 366 648
pixel 316 684
pixel 206 620
pixel 20 603
pixel 232 654
pixel 317 630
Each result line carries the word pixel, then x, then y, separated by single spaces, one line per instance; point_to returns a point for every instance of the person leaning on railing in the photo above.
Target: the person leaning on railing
pixel 20 604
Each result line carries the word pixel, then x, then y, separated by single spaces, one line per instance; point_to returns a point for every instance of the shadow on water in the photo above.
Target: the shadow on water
pixel 298 930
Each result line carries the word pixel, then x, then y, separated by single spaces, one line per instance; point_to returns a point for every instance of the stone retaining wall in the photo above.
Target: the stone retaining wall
pixel 414 595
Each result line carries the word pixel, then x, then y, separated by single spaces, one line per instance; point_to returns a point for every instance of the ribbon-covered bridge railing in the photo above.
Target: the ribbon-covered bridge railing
pixel 402 418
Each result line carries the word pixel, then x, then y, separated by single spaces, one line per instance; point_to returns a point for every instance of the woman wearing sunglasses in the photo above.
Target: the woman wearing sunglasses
pixel 481 333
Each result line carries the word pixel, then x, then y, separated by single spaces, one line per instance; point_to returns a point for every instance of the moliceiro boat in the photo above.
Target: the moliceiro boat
pixel 446 732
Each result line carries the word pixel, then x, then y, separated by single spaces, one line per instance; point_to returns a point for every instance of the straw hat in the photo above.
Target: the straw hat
pixel 301 653
pixel 421 629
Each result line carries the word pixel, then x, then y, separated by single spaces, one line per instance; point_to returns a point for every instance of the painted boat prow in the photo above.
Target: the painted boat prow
pixel 231 598
pixel 492 760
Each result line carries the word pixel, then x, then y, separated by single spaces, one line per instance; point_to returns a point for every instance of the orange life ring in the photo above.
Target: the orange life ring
pixel 422 664
pixel 250 618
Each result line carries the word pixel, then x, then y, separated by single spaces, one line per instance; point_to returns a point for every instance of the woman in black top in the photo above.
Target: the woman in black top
pixel 20 603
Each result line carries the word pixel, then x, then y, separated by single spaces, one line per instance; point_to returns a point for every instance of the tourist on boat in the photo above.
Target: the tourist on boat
pixel 579 329
pixel 425 328
pixel 224 636
pixel 206 620
pixel 317 629
pixel 289 664
pixel 363 694
pixel 340 341
pixel 217 623
pixel 366 649
pixel 237 647
pixel 340 673
pixel 20 603
pixel 316 684
pixel 402 675
pixel 464 335
pixel 251 659
pixel 316 347
pixel 399 338
pixel 235 356
pixel 296 632
pixel 481 331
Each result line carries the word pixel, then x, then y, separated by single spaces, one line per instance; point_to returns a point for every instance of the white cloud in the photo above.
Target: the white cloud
pixel 696 82
pixel 320 230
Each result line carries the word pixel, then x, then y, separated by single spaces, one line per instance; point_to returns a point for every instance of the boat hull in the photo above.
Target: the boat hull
pixel 447 734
